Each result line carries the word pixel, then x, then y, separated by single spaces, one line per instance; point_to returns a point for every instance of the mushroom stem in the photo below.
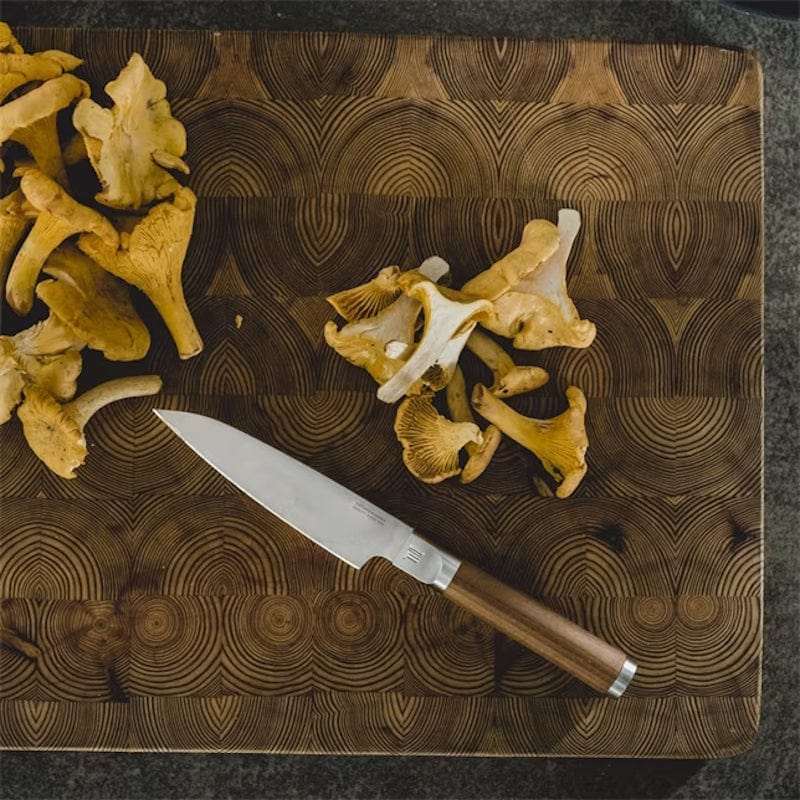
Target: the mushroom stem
pixel 13 225
pixel 509 379
pixel 170 303
pixel 12 639
pixel 41 140
pixel 48 232
pixel 89 403
pixel 458 404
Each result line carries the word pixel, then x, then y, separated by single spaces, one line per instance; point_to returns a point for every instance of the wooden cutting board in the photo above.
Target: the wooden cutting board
pixel 174 614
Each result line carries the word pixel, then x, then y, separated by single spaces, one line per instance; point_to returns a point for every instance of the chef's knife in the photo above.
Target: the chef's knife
pixel 355 530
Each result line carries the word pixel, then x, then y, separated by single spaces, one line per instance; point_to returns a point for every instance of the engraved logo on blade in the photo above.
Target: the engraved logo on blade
pixel 413 555
pixel 369 513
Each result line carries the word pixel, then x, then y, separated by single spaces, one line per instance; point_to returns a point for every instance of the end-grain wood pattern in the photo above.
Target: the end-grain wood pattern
pixel 171 613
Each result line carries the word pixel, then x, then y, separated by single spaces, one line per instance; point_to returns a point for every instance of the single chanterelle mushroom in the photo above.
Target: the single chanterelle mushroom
pixel 59 217
pixel 509 379
pixel 17 69
pixel 369 299
pixel 55 432
pixel 559 443
pixel 132 145
pixel 431 443
pixel 94 304
pixel 8 44
pixel 46 354
pixel 538 312
pixel 539 242
pixel 479 454
pixel 13 224
pixel 30 119
pixel 382 343
pixel 444 320
pixel 151 258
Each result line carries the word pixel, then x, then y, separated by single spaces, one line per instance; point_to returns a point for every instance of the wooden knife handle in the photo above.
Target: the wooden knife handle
pixel 591 660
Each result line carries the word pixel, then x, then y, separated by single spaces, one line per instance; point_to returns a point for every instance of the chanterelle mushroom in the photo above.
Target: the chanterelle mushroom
pixel 539 241
pixel 382 343
pixel 46 354
pixel 17 69
pixel 431 443
pixel 445 320
pixel 559 443
pixel 55 432
pixel 369 299
pixel 479 454
pixel 13 225
pixel 30 119
pixel 8 44
pixel 151 258
pixel 132 145
pixel 59 217
pixel 94 304
pixel 509 379
pixel 538 312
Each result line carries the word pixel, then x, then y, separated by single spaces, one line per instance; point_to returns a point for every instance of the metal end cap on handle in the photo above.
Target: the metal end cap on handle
pixel 623 680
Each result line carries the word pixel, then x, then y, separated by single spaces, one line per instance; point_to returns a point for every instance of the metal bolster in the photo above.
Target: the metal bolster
pixel 426 562
pixel 626 673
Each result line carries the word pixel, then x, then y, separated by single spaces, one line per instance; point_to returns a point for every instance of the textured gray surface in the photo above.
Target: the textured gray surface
pixel 770 769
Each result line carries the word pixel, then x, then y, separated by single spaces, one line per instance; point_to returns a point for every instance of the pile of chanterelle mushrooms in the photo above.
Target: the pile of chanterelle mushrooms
pixel 523 297
pixel 134 230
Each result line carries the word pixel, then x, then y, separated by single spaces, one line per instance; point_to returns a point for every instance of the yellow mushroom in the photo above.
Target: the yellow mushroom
pixel 132 145
pixel 538 312
pixel 479 455
pixel 30 119
pixel 94 304
pixel 8 44
pixel 13 225
pixel 46 354
pixel 539 241
pixel 509 379
pixel 369 299
pixel 151 258
pixel 18 69
pixel 448 324
pixel 559 443
pixel 55 432
pixel 431 443
pixel 59 217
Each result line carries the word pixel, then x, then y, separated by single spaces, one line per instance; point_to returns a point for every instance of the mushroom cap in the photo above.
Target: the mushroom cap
pixel 57 374
pixel 94 304
pixel 11 382
pixel 44 194
pixel 51 433
pixel 8 44
pixel 431 443
pixel 17 69
pixel 518 380
pixel 368 299
pixel 39 103
pixel 13 224
pixel 131 144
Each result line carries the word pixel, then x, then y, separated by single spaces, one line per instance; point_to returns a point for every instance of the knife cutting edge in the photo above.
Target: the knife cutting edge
pixel 355 530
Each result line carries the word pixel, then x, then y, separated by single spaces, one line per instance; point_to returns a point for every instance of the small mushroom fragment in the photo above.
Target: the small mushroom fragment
pixel 17 69
pixel 538 312
pixel 30 119
pixel 479 454
pixel 509 379
pixel 151 259
pixel 431 443
pixel 59 217
pixel 444 320
pixel 94 304
pixel 55 432
pixel 539 241
pixel 46 354
pixel 369 299
pixel 13 225
pixel 559 443
pixel 132 145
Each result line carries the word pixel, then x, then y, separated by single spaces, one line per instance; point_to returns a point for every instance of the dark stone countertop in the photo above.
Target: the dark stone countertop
pixel 770 769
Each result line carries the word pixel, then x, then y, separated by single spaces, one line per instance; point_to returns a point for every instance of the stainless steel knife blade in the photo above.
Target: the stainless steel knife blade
pixel 345 524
